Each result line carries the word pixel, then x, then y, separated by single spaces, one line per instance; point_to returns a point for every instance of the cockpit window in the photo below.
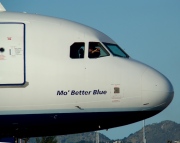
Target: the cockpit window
pixel 77 50
pixel 96 50
pixel 116 50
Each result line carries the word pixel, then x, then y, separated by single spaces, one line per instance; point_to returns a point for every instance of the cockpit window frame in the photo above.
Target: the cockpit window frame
pixel 106 45
pixel 102 48
pixel 77 50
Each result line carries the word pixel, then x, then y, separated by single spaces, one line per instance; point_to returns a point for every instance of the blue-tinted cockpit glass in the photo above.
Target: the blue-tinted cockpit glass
pixel 116 50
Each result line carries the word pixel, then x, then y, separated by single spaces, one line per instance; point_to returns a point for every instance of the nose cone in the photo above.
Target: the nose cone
pixel 157 90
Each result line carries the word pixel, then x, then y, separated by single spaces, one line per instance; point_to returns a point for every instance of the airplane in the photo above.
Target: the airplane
pixel 61 77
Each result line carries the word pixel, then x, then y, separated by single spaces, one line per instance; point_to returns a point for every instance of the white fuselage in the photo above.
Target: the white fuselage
pixel 38 76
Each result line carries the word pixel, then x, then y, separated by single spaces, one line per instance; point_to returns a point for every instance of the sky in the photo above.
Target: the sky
pixel 149 31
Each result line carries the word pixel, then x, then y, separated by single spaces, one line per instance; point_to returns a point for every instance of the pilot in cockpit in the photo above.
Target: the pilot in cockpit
pixel 94 52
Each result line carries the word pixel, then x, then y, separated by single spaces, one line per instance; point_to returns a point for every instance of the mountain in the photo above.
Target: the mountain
pixel 88 137
pixel 156 133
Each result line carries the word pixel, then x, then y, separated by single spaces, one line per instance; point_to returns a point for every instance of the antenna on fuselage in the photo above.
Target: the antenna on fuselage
pixel 2 8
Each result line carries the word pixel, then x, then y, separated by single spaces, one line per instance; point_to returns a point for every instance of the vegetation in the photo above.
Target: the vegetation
pixel 88 137
pixel 159 132
pixel 163 132
pixel 47 139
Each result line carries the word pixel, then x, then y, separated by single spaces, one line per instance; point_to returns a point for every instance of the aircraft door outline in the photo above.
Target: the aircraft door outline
pixel 12 54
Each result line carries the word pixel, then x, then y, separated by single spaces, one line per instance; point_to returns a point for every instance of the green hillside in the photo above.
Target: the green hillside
pixel 156 133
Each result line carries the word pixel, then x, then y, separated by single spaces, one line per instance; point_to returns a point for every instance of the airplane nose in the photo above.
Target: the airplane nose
pixel 157 90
